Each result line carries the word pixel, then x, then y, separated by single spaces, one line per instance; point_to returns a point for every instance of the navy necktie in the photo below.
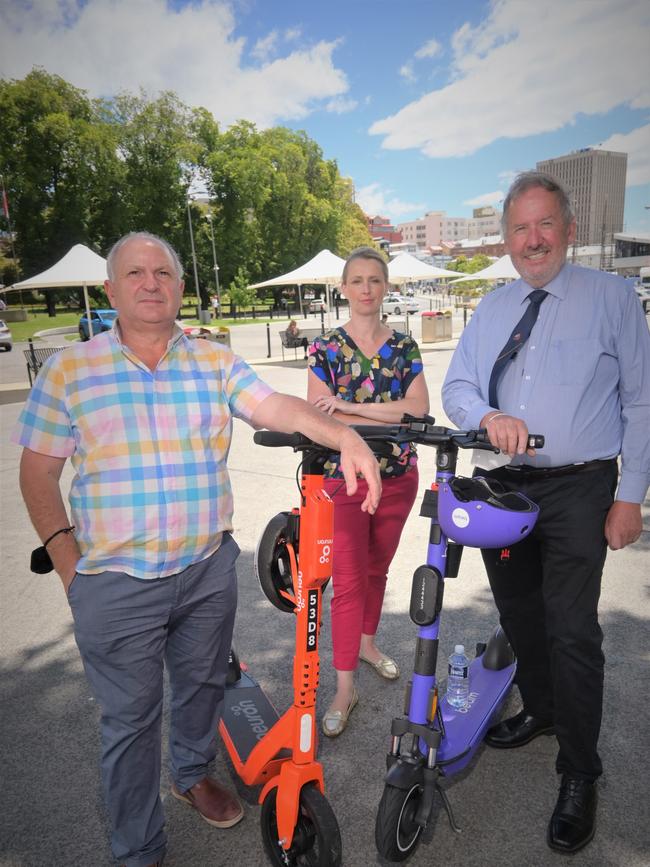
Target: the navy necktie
pixel 520 334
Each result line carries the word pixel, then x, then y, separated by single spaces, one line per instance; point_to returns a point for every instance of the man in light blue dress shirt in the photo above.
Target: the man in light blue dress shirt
pixel 582 379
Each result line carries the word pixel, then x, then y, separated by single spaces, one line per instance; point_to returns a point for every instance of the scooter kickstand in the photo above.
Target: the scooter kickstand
pixel 449 811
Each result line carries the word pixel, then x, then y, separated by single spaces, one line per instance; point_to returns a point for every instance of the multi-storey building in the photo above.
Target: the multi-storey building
pixel 596 181
pixel 435 227
pixel 485 221
pixel 382 229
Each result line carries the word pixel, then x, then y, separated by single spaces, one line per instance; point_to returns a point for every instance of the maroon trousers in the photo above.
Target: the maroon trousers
pixel 364 546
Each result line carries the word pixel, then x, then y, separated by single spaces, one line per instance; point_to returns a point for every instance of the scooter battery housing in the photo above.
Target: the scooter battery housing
pixel 426 595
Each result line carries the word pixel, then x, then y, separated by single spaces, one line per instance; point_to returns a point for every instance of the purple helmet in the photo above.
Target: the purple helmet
pixel 480 513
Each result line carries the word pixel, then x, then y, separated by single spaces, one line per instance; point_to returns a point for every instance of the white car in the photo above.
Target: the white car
pixel 6 340
pixel 398 304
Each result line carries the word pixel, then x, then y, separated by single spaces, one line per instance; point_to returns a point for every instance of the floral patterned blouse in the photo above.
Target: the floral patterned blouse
pixel 339 363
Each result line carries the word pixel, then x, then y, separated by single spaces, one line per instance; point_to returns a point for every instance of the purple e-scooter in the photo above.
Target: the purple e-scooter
pixel 434 739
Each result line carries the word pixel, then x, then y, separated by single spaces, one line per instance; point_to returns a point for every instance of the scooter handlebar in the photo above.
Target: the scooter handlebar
pixel 299 442
pixel 535 441
pixel 276 439
pixel 380 437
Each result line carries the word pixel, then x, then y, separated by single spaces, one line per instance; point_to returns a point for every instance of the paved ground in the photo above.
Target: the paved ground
pixel 51 805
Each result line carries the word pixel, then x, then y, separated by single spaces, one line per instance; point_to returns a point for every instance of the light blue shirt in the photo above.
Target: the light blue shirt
pixel 582 379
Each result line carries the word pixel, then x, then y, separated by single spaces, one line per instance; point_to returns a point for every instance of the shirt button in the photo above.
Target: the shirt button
pixel 528 377
pixel 532 347
pixel 522 406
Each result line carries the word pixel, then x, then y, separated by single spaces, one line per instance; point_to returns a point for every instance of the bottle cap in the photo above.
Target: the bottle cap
pixel 460 648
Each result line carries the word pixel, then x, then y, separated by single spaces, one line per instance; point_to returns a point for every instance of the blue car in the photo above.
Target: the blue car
pixel 102 320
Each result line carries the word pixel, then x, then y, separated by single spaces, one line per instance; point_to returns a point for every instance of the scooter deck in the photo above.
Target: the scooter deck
pixel 248 715
pixel 464 730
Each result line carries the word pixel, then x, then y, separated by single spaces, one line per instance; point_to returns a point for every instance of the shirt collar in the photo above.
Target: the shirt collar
pixel 177 334
pixel 557 287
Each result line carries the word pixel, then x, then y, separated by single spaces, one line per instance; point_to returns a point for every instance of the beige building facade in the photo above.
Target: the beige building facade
pixel 596 181
pixel 435 227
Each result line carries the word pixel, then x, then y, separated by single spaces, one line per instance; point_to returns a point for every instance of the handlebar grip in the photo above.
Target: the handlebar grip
pixel 275 439
pixel 535 441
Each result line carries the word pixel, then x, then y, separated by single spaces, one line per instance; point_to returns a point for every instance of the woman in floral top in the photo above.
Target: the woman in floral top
pixel 365 373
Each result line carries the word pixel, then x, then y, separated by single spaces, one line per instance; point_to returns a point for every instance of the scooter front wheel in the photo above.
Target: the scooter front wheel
pixel 397 834
pixel 316 838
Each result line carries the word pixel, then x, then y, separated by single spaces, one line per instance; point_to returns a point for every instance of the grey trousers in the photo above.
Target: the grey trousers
pixel 127 630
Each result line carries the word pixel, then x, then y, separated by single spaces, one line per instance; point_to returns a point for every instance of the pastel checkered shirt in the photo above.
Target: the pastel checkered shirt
pixel 151 493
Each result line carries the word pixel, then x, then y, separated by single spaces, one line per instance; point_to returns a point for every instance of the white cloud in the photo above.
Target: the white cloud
pixel 264 47
pixel 376 200
pixel 636 145
pixel 429 49
pixel 292 34
pixel 341 105
pixel 527 70
pixel 508 176
pixel 494 198
pixel 105 47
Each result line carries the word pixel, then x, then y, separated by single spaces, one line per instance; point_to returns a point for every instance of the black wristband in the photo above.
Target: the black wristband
pixel 62 530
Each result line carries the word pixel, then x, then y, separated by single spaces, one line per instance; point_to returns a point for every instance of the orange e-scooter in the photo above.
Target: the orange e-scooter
pixel 293 562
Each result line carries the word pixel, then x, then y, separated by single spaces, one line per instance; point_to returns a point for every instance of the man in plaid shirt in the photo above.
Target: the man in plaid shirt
pixel 145 415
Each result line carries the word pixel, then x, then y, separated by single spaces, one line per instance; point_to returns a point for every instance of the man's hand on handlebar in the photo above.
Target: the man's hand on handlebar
pixel 507 433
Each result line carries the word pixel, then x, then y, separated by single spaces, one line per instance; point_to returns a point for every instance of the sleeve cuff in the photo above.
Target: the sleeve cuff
pixel 475 414
pixel 632 487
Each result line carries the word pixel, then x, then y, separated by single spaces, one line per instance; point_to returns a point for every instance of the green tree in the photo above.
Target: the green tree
pixel 239 291
pixel 470 266
pixel 79 170
pixel 58 165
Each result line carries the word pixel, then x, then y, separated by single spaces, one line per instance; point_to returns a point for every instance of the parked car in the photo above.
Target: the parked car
pixel 316 305
pixel 6 340
pixel 102 320
pixel 399 304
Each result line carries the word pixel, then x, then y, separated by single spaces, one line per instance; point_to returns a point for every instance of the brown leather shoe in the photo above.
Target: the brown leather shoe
pixel 219 807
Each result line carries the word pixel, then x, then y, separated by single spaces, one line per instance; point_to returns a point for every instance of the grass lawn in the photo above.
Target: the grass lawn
pixel 39 321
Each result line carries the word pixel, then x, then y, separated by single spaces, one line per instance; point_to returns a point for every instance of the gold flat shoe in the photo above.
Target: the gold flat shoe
pixel 385 667
pixel 335 721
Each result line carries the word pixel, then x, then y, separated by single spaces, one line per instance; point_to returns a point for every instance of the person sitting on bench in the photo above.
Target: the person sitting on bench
pixel 293 337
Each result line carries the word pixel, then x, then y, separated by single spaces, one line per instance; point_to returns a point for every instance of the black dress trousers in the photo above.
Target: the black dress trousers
pixel 546 589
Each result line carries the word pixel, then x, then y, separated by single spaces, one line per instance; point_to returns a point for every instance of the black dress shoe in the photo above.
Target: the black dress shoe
pixel 573 822
pixel 517 731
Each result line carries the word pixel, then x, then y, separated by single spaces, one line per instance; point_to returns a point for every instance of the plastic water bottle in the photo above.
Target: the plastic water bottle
pixel 458 679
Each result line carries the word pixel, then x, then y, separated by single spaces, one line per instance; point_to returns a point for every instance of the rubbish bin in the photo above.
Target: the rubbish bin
pixel 436 326
pixel 222 335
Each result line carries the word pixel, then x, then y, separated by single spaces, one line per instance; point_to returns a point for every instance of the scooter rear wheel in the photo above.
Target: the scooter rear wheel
pixel 316 839
pixel 397 834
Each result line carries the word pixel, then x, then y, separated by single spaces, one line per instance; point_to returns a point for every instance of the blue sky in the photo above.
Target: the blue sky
pixel 425 104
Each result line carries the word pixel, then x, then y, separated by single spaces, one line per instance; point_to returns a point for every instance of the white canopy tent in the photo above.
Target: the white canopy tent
pixel 79 267
pixel 405 268
pixel 325 269
pixel 502 269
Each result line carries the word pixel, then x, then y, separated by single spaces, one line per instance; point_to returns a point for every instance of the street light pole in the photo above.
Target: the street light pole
pixel 196 272
pixel 214 257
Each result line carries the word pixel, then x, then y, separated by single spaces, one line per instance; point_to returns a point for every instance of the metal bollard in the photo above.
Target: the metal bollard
pixel 268 340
